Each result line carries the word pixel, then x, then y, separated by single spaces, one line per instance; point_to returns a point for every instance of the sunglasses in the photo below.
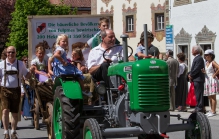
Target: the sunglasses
pixel 10 52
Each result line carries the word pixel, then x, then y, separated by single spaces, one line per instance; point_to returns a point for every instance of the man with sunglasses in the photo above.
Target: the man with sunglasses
pixel 11 73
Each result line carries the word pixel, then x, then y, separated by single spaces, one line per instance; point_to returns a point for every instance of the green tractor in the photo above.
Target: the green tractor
pixel 140 108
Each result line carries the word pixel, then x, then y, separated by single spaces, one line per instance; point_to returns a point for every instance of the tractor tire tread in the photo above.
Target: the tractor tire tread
pixel 70 128
pixel 93 126
pixel 202 120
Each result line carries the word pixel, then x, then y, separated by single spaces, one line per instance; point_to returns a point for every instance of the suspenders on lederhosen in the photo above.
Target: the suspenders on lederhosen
pixel 4 89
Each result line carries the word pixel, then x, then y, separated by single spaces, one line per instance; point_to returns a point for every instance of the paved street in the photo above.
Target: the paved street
pixel 26 131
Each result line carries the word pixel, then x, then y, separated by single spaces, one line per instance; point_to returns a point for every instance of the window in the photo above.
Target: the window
pixel 181 2
pixel 129 23
pixel 129 20
pixel 206 38
pixel 159 19
pixel 159 22
pixel 184 49
pixel 205 47
pixel 195 1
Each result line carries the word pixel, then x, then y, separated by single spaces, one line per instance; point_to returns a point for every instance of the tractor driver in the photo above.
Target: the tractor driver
pixel 152 50
pixel 97 65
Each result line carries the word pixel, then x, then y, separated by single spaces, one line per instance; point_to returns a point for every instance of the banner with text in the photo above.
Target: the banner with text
pixel 78 29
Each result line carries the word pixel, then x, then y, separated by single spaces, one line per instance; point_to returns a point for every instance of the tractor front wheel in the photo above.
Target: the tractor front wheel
pixel 91 129
pixel 66 113
pixel 202 128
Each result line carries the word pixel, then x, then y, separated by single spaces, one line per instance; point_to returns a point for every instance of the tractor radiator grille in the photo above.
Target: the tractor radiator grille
pixel 153 91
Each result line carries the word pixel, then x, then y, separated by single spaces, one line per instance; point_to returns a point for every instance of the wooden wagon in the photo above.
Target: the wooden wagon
pixel 43 104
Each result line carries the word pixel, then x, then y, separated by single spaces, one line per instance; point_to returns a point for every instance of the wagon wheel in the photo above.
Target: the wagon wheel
pixel 36 114
pixel 49 110
pixel 66 116
pixel 91 129
pixel 202 128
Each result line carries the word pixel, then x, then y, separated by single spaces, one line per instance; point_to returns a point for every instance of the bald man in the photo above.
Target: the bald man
pixel 11 73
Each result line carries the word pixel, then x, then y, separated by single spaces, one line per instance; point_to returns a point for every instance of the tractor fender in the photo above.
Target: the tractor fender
pixel 71 88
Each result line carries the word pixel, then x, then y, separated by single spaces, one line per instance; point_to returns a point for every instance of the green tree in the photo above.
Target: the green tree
pixel 19 26
pixel 6 8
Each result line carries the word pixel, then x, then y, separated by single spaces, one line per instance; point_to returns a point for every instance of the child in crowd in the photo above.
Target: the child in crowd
pixel 85 48
pixel 103 24
pixel 47 50
pixel 78 60
pixel 50 62
pixel 60 63
pixel 40 65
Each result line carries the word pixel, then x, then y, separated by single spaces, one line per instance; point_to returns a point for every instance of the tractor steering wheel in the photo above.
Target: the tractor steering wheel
pixel 118 54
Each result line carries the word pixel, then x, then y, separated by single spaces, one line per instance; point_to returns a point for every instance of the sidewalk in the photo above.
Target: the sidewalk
pixel 188 113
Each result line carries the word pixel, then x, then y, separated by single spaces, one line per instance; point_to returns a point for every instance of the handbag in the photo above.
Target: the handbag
pixel 191 99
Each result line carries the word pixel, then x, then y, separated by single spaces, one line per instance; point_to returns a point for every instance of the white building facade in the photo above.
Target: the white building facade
pixel 130 15
pixel 195 22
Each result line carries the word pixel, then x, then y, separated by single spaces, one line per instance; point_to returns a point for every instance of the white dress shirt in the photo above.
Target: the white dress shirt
pixel 11 80
pixel 181 68
pixel 96 55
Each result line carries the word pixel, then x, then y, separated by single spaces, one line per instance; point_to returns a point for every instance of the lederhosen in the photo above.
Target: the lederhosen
pixel 10 97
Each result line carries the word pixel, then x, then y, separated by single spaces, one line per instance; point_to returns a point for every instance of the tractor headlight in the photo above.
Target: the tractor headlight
pixel 101 88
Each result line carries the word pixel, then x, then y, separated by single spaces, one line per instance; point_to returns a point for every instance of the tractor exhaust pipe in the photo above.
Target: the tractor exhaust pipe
pixel 125 47
pixel 146 39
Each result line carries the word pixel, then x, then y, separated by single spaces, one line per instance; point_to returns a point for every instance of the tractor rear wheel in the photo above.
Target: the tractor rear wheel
pixel 91 129
pixel 66 113
pixel 49 111
pixel 202 128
